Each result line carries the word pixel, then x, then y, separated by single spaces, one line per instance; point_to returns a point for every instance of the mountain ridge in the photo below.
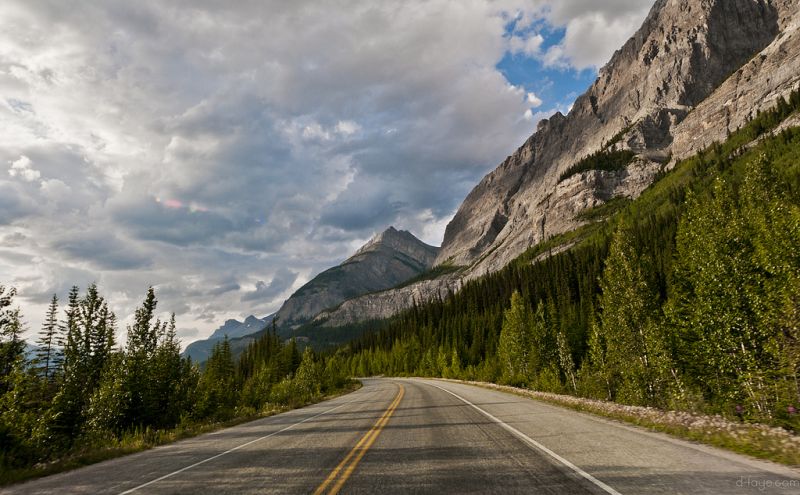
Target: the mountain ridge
pixel 680 55
pixel 662 96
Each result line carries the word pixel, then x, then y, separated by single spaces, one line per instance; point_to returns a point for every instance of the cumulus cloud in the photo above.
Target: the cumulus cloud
pixel 224 288
pixel 593 30
pixel 347 127
pixel 281 281
pixel 23 168
pixel 200 147
pixel 529 44
pixel 534 101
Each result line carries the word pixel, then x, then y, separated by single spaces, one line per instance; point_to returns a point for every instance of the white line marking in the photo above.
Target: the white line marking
pixel 230 450
pixel 525 438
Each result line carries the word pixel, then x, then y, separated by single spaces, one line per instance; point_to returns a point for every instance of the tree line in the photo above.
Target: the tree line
pixel 83 391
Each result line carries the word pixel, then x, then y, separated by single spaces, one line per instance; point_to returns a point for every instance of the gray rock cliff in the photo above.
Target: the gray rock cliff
pixel 680 56
pixel 772 73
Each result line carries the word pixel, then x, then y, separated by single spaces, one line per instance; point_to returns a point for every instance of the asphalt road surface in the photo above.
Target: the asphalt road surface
pixel 426 436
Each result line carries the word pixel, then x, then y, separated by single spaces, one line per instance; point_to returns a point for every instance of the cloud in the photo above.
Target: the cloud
pixel 593 30
pixel 23 168
pixel 225 288
pixel 347 127
pixel 14 239
pixel 188 332
pixel 534 100
pixel 530 44
pixel 281 281
pixel 103 250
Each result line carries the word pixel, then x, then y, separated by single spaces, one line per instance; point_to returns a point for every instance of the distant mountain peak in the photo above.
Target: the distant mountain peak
pixel 385 261
pixel 402 241
pixel 232 328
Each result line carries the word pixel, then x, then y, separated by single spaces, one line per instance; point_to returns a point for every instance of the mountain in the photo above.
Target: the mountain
pixel 676 61
pixel 694 72
pixel 200 350
pixel 387 260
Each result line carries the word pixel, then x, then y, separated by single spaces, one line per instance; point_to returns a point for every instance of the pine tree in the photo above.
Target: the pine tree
pixel 48 355
pixel 70 400
pixel 140 351
pixel 12 347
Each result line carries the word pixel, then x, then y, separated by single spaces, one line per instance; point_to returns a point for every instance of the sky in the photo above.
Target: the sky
pixel 226 152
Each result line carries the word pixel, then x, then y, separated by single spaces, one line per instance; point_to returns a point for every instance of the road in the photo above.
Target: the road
pixel 426 436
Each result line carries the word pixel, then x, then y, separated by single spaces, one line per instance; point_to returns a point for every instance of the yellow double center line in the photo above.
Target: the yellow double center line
pixel 349 463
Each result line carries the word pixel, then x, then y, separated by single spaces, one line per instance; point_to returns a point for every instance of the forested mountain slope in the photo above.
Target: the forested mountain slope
pixel 695 72
pixel 686 297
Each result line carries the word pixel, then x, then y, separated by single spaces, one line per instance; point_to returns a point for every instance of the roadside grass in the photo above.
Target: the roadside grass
pixel 104 449
pixel 753 439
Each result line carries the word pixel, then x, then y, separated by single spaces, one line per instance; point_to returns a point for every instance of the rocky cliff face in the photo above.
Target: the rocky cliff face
pixel 386 261
pixel 684 51
pixel 384 304
pixel 756 86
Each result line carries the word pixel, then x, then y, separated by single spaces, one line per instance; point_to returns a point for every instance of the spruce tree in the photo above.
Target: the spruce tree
pixel 12 347
pixel 167 369
pixel 48 353
pixel 70 400
pixel 142 343
pixel 217 395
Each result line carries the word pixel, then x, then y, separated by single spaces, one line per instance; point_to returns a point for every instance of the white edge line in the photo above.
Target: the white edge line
pixel 131 490
pixel 525 438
